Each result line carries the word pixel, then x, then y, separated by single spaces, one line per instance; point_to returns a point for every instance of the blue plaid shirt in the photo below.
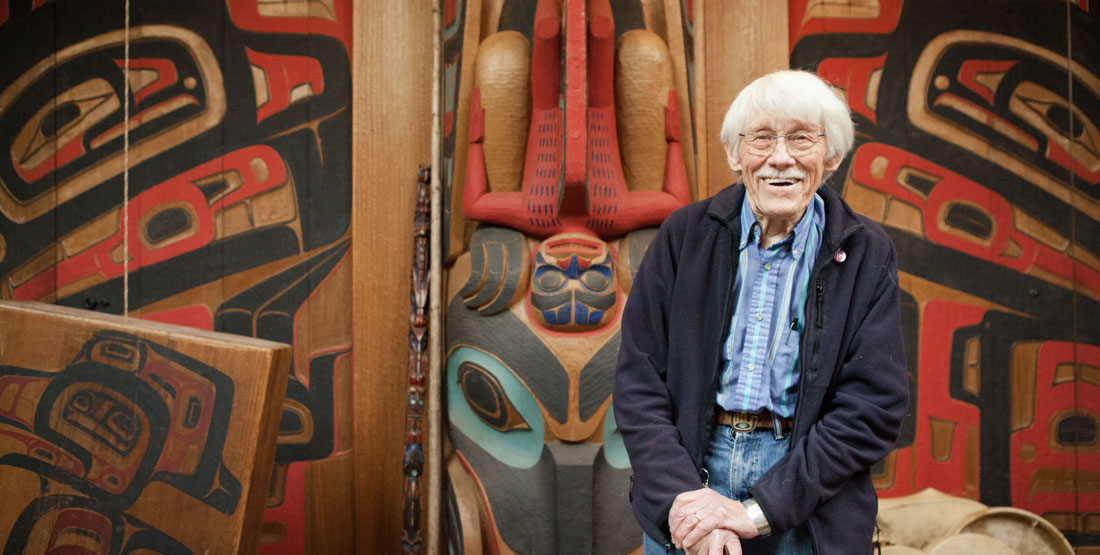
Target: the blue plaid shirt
pixel 760 353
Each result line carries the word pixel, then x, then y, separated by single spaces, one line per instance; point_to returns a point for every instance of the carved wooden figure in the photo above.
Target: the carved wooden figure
pixel 536 464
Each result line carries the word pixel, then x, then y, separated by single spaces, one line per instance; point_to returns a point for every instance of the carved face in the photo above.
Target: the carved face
pixel 529 407
pixel 573 284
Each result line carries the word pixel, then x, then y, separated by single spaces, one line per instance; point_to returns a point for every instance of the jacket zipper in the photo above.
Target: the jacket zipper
pixel 819 295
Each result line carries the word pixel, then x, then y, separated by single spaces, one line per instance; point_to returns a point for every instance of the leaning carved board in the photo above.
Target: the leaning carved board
pixel 120 435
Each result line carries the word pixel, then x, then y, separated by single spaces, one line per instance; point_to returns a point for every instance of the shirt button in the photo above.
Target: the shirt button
pixel 796 252
pixel 759 317
pixel 767 267
pixel 752 367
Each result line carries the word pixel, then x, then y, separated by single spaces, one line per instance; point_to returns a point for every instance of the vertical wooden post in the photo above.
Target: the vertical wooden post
pixel 737 41
pixel 391 136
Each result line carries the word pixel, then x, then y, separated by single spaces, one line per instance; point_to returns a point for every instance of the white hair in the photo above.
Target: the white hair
pixel 796 95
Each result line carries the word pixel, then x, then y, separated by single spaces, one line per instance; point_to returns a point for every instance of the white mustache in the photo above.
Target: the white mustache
pixel 791 174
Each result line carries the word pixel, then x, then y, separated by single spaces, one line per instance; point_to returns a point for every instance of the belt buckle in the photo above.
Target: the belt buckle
pixel 744 422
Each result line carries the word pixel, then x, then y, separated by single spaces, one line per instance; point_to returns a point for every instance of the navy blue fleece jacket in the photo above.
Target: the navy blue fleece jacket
pixel 853 391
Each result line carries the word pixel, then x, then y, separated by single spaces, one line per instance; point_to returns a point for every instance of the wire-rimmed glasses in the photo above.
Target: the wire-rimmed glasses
pixel 799 142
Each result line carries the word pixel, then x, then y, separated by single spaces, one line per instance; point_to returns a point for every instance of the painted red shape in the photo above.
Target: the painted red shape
pixel 854 76
pixel 970 69
pixel 284 73
pixel 166 75
pixel 576 90
pixel 596 198
pixel 289 514
pixel 1054 400
pixel 952 188
pixel 801 24
pixel 939 321
pixel 1059 155
pixel 180 192
pixel 3 11
pixel 145 116
pixel 74 523
pixel 246 15
pixel 449 12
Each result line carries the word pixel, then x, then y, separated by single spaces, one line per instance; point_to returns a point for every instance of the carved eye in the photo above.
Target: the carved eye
pixel 595 279
pixel 486 397
pixel 550 279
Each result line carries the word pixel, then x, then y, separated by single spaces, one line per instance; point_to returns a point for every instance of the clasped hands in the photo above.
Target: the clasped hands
pixel 705 522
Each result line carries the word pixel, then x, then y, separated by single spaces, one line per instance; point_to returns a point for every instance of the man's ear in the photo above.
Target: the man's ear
pixel 731 157
pixel 833 163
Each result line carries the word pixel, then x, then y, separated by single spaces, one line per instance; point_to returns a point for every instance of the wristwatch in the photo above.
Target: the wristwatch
pixel 756 515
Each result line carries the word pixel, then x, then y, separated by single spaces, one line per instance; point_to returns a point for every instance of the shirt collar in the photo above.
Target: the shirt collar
pixel 814 217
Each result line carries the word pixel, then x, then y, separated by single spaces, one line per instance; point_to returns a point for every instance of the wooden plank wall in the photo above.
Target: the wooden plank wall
pixel 741 40
pixel 391 138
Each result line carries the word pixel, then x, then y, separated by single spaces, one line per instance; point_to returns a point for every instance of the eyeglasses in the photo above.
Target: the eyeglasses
pixel 797 143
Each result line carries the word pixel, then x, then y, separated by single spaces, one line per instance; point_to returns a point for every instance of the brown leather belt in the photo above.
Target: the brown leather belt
pixel 747 421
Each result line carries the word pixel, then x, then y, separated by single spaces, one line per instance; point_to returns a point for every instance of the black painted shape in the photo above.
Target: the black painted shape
pixel 127 386
pixel 1077 430
pixel 598 301
pixel 319 398
pixel 272 304
pixel 24 525
pixel 452 523
pixel 487 398
pixel 210 471
pixel 628 14
pixel 574 480
pixel 496 260
pixel 517 15
pixel 597 377
pixel 181 273
pixel 291 286
pixel 523 500
pixel 549 302
pixel 167 224
pixel 508 339
pixel 988 280
pixel 155 541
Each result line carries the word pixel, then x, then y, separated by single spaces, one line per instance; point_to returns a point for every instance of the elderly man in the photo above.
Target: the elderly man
pixel 762 371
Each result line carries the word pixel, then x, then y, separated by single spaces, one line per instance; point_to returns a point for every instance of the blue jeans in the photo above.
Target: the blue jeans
pixel 735 461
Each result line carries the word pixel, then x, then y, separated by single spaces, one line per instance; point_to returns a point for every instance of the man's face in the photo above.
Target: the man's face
pixel 780 183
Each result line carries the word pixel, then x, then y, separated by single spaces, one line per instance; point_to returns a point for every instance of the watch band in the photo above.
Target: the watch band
pixel 756 515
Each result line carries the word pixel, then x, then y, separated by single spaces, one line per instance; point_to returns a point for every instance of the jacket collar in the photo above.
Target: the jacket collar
pixel 840 221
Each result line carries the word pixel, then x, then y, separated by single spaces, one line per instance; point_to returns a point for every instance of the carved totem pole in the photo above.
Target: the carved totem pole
pixel 574 156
